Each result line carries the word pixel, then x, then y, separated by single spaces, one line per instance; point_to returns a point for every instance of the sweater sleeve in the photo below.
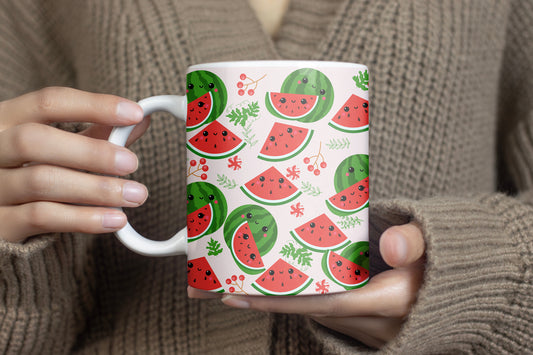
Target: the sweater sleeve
pixel 477 295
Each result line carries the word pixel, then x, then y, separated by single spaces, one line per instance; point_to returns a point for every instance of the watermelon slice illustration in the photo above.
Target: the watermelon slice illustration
pixel 290 106
pixel 200 275
pixel 350 200
pixel 199 221
pixel 352 117
pixel 282 279
pixel 215 141
pixel 344 272
pixel 284 142
pixel 199 110
pixel 206 209
pixel 320 234
pixel 271 188
pixel 250 232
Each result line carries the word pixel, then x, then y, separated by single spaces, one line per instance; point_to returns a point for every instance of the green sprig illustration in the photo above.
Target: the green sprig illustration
pixel 226 182
pixel 301 255
pixel 214 247
pixel 349 222
pixel 239 116
pixel 249 136
pixel 335 144
pixel 310 189
pixel 361 80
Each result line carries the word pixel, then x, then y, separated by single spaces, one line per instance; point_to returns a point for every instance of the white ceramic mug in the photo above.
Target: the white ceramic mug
pixel 277 178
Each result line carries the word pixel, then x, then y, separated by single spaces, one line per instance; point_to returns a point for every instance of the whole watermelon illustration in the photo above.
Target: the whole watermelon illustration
pixel 350 268
pixel 352 117
pixel 352 186
pixel 206 209
pixel 206 98
pixel 250 232
pixel 306 95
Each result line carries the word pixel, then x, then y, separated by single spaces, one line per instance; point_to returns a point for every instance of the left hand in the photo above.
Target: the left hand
pixel 372 314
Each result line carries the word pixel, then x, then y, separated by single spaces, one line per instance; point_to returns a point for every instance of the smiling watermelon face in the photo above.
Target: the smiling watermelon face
pixel 206 98
pixel 201 275
pixel 271 188
pixel 206 209
pixel 282 279
pixel 215 141
pixel 284 142
pixel 352 117
pixel 311 99
pixel 351 183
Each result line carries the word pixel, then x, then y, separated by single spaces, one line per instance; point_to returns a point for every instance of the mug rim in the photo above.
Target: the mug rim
pixel 276 63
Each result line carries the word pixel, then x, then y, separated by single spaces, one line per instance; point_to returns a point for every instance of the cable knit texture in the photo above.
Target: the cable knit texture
pixel 451 139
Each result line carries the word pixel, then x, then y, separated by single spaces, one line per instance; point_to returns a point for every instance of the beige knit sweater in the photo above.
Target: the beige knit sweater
pixel 452 123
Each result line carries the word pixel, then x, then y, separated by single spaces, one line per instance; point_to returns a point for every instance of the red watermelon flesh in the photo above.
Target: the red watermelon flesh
pixel 199 110
pixel 351 199
pixel 282 279
pixel 293 106
pixel 215 141
pixel 271 188
pixel 345 272
pixel 199 221
pixel 320 234
pixel 352 116
pixel 245 248
pixel 284 141
pixel 200 275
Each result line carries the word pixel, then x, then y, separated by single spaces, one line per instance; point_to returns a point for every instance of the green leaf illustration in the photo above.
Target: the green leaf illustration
pixel 361 80
pixel 350 222
pixel 301 255
pixel 335 144
pixel 239 116
pixel 214 247
pixel 249 136
pixel 310 189
pixel 226 182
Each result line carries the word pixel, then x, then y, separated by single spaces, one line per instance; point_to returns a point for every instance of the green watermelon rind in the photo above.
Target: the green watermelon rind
pixel 341 212
pixel 222 155
pixel 315 248
pixel 219 98
pixel 245 268
pixel 192 128
pixel 192 239
pixel 270 107
pixel 263 201
pixel 325 268
pixel 348 130
pixel 352 252
pixel 293 153
pixel 292 292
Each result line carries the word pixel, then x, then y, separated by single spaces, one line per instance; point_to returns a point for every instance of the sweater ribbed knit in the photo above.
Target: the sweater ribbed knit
pixel 451 147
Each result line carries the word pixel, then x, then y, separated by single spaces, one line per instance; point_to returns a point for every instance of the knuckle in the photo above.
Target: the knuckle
pixel 46 98
pixel 22 140
pixel 37 215
pixel 39 180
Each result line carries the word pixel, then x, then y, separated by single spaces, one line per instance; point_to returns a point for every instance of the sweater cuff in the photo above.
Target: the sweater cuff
pixel 477 293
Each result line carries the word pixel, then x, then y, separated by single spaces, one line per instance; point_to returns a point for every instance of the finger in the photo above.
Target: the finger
pixel 60 104
pixel 402 245
pixel 102 132
pixel 373 331
pixel 53 183
pixel 32 142
pixel 388 294
pixel 196 293
pixel 23 221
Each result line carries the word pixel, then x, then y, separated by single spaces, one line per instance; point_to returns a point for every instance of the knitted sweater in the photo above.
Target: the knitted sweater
pixel 451 148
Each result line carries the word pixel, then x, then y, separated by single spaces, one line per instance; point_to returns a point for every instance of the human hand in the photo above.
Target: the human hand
pixel 372 314
pixel 47 180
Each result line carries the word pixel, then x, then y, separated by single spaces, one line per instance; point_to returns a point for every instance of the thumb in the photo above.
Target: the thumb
pixel 402 245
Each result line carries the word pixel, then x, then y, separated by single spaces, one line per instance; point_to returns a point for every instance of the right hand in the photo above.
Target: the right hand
pixel 47 180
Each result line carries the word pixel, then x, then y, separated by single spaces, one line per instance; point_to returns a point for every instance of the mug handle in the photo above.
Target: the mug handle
pixel 177 106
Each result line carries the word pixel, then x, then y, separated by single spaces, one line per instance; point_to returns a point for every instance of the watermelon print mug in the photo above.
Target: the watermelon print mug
pixel 277 177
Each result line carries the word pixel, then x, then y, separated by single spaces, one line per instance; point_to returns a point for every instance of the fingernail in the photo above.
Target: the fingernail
pixel 113 220
pixel 134 192
pixel 129 111
pixel 125 161
pixel 235 301
pixel 401 248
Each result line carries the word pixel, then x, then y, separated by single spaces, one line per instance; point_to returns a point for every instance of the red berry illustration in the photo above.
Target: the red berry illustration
pixel 228 281
pixel 234 277
pixel 232 289
pixel 310 167
pixel 193 162
pixel 205 168
pixel 241 277
pixel 316 161
pixel 247 85
pixel 240 84
pixel 251 92
pixel 196 168
pixel 307 160
pixel 243 76
pixel 236 286
pixel 316 172
pixel 241 92
pixel 203 176
pixel 323 165
pixel 203 161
